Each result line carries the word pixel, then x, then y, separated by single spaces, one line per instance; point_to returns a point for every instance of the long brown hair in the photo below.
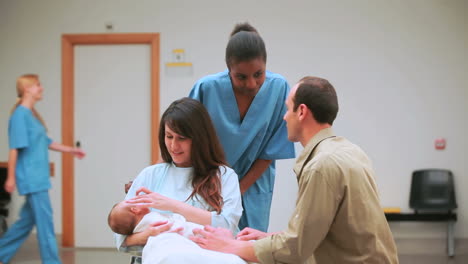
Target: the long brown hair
pixel 23 82
pixel 189 118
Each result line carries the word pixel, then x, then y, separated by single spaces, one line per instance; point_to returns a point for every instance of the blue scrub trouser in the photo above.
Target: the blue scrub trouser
pixel 256 212
pixel 37 210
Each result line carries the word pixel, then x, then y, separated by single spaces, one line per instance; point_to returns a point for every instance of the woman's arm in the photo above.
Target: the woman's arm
pixel 192 214
pixel 77 152
pixel 10 182
pixel 140 239
pixel 232 207
pixel 155 200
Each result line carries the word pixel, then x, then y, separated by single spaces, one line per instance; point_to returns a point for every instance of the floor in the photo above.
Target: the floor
pixel 29 254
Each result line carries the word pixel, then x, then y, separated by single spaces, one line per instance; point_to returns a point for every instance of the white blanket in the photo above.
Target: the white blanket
pixel 173 248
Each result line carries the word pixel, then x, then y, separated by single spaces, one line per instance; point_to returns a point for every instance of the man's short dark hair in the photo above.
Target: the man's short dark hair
pixel 319 96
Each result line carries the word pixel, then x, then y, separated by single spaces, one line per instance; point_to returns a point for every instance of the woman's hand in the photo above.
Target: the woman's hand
pixel 153 200
pixel 157 228
pixel 153 229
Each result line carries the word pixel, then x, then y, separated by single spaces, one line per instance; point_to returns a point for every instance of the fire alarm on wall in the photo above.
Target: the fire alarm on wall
pixel 440 143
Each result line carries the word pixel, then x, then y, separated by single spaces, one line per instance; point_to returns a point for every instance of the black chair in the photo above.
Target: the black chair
pixel 5 198
pixel 432 197
pixel 432 190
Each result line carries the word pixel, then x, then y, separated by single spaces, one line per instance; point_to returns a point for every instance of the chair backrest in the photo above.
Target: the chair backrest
pixel 432 190
pixel 4 195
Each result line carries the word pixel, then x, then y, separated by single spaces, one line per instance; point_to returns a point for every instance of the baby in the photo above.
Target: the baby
pixel 126 219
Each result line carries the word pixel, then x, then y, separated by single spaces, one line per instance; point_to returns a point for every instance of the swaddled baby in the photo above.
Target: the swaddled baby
pixel 165 248
pixel 126 219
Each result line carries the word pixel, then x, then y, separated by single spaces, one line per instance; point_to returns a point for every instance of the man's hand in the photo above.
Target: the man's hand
pixel 222 240
pixel 218 239
pixel 251 234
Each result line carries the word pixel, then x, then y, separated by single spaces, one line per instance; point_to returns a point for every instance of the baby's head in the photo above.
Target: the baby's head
pixel 123 217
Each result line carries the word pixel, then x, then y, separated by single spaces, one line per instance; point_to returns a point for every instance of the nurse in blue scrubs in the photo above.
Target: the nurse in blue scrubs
pixel 28 170
pixel 246 104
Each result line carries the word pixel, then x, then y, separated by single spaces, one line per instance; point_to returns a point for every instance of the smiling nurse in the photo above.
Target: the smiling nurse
pixel 246 105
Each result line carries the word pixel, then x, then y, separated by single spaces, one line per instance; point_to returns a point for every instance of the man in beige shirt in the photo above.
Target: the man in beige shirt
pixel 338 217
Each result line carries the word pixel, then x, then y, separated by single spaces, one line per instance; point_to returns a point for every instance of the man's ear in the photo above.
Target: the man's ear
pixel 302 111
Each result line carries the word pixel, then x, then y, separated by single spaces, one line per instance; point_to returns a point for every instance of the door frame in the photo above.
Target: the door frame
pixel 69 41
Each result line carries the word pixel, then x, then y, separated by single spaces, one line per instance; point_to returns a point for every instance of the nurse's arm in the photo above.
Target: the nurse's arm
pixel 10 182
pixel 255 172
pixel 79 153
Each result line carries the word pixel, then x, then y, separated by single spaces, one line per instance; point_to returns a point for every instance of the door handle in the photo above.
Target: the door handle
pixel 78 144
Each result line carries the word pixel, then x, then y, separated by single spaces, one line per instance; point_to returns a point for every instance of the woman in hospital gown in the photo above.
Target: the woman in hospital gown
pixel 193 180
pixel 246 104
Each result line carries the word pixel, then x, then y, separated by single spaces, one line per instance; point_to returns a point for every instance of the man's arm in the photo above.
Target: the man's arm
pixel 220 239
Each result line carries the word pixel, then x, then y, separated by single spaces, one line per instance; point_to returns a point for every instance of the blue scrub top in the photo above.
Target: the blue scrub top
pixel 27 134
pixel 262 134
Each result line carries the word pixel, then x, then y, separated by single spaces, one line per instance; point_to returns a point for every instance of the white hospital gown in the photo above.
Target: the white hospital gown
pixel 175 182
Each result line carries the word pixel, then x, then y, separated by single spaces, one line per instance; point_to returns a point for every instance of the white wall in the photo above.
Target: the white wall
pixel 399 68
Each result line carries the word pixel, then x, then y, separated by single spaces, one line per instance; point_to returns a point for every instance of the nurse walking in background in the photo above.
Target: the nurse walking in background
pixel 246 104
pixel 28 169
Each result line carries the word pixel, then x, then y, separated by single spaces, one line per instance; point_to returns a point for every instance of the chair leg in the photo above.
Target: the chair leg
pixel 135 260
pixel 450 239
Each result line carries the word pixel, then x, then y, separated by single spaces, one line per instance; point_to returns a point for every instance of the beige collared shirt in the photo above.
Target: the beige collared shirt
pixel 338 217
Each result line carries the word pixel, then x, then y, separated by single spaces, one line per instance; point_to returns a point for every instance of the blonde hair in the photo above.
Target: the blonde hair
pixel 24 81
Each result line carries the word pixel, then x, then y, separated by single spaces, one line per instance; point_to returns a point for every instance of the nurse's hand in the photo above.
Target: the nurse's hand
pixel 10 185
pixel 251 234
pixel 79 153
pixel 146 198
